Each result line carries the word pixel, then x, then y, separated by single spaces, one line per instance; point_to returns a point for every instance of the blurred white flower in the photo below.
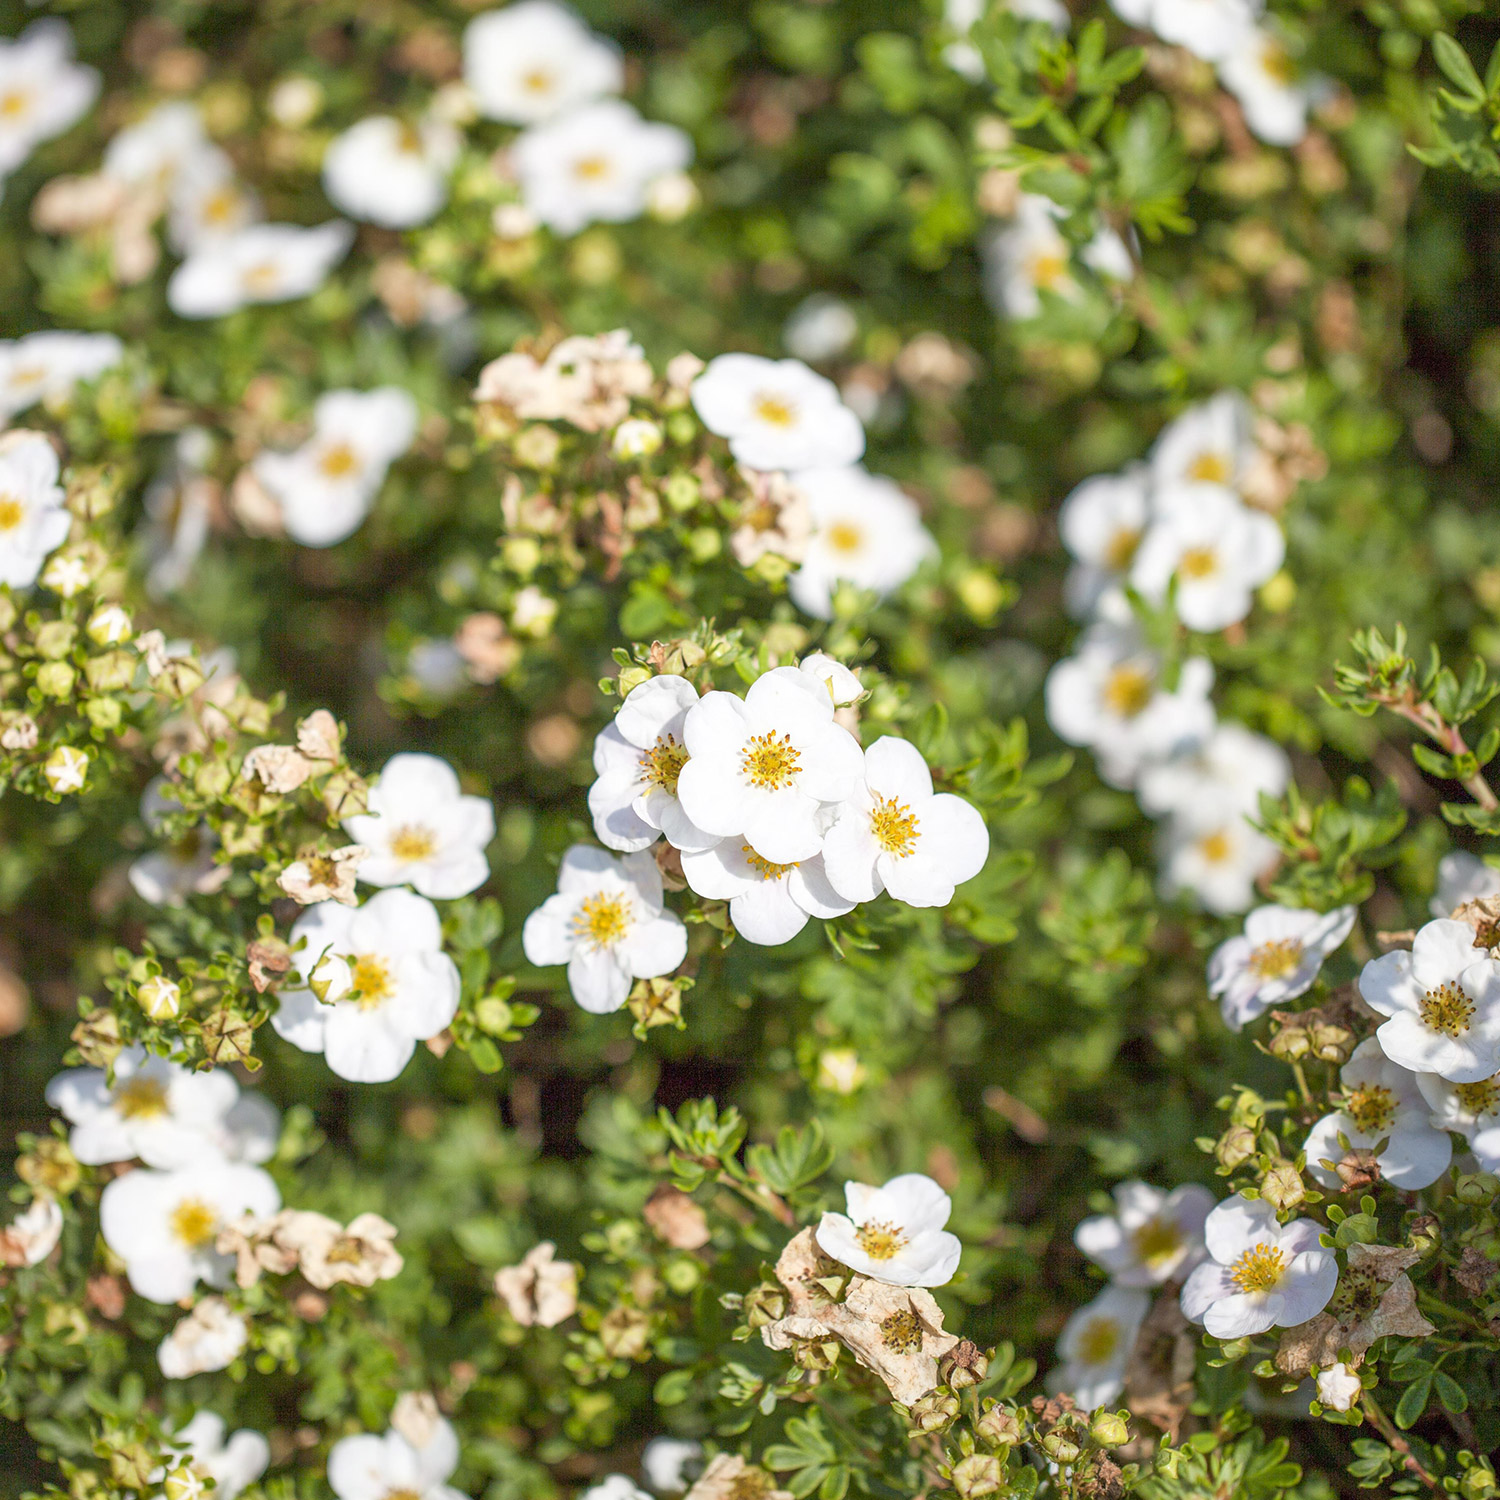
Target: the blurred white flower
pixel 210 1338
pixel 33 520
pixel 1095 1345
pixel 1153 1235
pixel 366 1467
pixel 1276 958
pixel 777 414
pixel 1218 863
pixel 46 366
pixel 260 263
pixel 1031 255
pixel 1339 1387
pixel 388 172
pixel 1260 73
pixel 163 142
pixel 1208 443
pixel 533 59
pixel 32 1235
pixel 1462 877
pixel 233 1461
pixel 665 1460
pixel 894 1233
pixel 207 200
pixel 1101 523
pixel 1226 771
pixel 1471 1109
pixel 615 1487
pixel 42 90
pixel 1210 29
pixel 821 328
pixel 167 876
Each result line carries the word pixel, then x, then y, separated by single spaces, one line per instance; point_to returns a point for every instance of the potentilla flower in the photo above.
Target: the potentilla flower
pixel 1229 770
pixel 33 520
pixel 1209 443
pixel 894 1233
pixel 1339 1387
pixel 1218 550
pixel 1101 523
pixel 423 831
pixel 1260 73
pixel 665 1461
pixel 168 876
pixel 1031 256
pixel 615 1487
pixel 331 1254
pixel 42 90
pixel 1260 1274
pixel 233 1461
pixel 1210 29
pixel 1153 1235
pixel 210 1338
pixel 366 1467
pixel 865 531
pixel 388 172
pixel 66 769
pixel 893 833
pixel 163 1224
pixel 607 923
pixel 1381 1103
pixel 534 59
pixel 832 677
pixel 638 759
pixel 46 366
pixel 206 200
pixel 1276 958
pixel 32 1236
pixel 1472 1109
pixel 1095 1346
pixel 820 329
pixel 376 982
pixel 761 767
pixel 261 263
pixel 777 414
pixel 768 904
pixel 1443 1000
pixel 1217 864
pixel 152 151
pixel 325 488
pixel 1462 877
pixel 595 164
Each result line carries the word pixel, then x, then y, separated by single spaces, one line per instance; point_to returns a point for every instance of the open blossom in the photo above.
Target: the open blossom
pixel 1228 770
pixel 211 1337
pixel 1471 1109
pixel 33 520
pixel 1101 524
pixel 1095 1345
pixel 388 172
pixel 366 1467
pixel 769 904
pixel 1462 877
pixel 1443 1001
pixel 1260 73
pixel 541 1291
pixel 535 58
pixel 1210 29
pixel 233 1462
pixel 1031 256
pixel 894 1233
pixel 164 1225
pixel 1210 442
pixel 777 413
pixel 865 531
pixel 260 263
pixel 32 1236
pixel 150 152
pixel 1382 1102
pixel 325 488
pixel 167 876
pixel 1153 1235
pixel 423 831
pixel 1218 864
pixel 665 1461
pixel 42 90
pixel 595 164
pixel 206 199
pixel 1276 958
pixel 1260 1274
pixel 893 833
pixel 607 923
pixel 332 1254
pixel 761 767
pixel 46 366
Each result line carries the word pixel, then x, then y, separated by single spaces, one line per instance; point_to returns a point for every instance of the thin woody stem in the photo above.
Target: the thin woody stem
pixel 1386 1429
pixel 1431 723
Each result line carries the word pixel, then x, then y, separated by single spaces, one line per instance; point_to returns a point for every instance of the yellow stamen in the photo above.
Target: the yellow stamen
pixel 895 826
pixel 1157 1241
pixel 12 512
pixel 880 1241
pixel 601 920
pixel 1276 959
pixel 372 980
pixel 1121 549
pixel 411 841
pixel 1048 270
pixel 141 1098
pixel 1127 691
pixel 773 410
pixel 1259 1268
pixel 593 168
pixel 662 764
pixel 15 103
pixel 1482 1098
pixel 1276 63
pixel 1210 467
pixel 844 537
pixel 219 207
pixel 770 761
pixel 195 1223
pixel 1215 847
pixel 1447 1009
pixel 1199 562
pixel 537 81
pixel 764 867
pixel 1099 1341
pixel 1372 1108
pixel 339 461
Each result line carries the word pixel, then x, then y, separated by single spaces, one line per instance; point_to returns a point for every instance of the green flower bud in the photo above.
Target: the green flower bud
pixel 1001 1427
pixel 1236 1145
pixel 1282 1187
pixel 55 639
pixel 109 625
pixel 764 1304
pixel 66 769
pixel 97 1038
pixel 978 1474
pixel 1109 1429
pixel 935 1412
pixel 56 678
pixel 159 998
pixel 111 672
pixel 1061 1445
pixel 104 713
pixel 682 492
pixel 1476 1187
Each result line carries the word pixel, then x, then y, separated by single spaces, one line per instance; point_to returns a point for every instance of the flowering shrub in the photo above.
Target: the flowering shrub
pixel 747 752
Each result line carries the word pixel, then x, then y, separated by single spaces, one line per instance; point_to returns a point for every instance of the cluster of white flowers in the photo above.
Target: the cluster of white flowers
pixel 1178 520
pixel 201 1451
pixel 773 807
pixel 1030 256
pixel 42 90
pixel 46 366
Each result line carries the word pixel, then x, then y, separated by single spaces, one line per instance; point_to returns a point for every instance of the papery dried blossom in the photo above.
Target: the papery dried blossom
pixel 541 1291
pixel 30 1238
pixel 729 1477
pixel 586 382
pixel 676 1218
pixel 326 876
pixel 774 519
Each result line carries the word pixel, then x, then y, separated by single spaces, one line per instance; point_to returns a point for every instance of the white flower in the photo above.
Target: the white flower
pixel 157 147
pixel 1276 958
pixel 390 173
pixel 163 1224
pixel 32 1236
pixel 821 328
pixel 1381 1102
pixel 1228 770
pixel 777 414
pixel 1260 1274
pixel 1472 1109
pixel 638 759
pixel 326 487
pixel 1339 1387
pixel 1031 255
pixel 396 985
pixel 595 164
pixel 769 904
pixel 865 530
pixel 366 1467
pixel 1218 549
pixel 46 366
pixel 615 1487
pixel 1261 75
pixel 606 922
pixel 1102 522
pixel 892 833
pixel 1209 443
pixel 833 677
pixel 169 875
pixel 1153 1235
pixel 1210 29
pixel 664 1461
pixel 233 1465
pixel 207 200
pixel 1110 696
pixel 1218 864
pixel 210 1338
pixel 66 769
pixel 1443 1000
pixel 960 15
pixel 760 767
pixel 894 1233
pixel 1462 877
pixel 42 90
pixel 33 520
pixel 422 831
pixel 1095 1345
pixel 534 59
pixel 260 263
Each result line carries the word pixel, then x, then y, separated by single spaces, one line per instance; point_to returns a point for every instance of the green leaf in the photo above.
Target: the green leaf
pixel 1413 1401
pixel 1454 62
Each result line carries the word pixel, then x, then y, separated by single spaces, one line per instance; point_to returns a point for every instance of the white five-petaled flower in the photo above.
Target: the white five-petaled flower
pixel 893 833
pixel 865 530
pixel 1096 1344
pixel 210 1338
pixel 595 164
pixel 33 520
pixel 777 414
pixel 1030 256
pixel 1472 1109
pixel 638 759
pixel 388 172
pixel 46 366
pixel 1101 523
pixel 1339 1387
pixel 260 263
pixel 615 1487
pixel 534 59
pixel 422 831
pixel 206 200
pixel 769 904
pixel 234 1461
pixel 325 488
pixel 1276 958
pixel 1382 1102
pixel 1443 1000
pixel 1218 864
pixel 761 767
pixel 42 90
pixel 163 1224
pixel 894 1233
pixel 1210 29
pixel 1462 877
pixel 1209 443
pixel 376 982
pixel 168 875
pixel 607 923
pixel 1261 74
pixel 1153 1235
pixel 1260 1274
pixel 151 152
pixel 391 1467
pixel 1226 771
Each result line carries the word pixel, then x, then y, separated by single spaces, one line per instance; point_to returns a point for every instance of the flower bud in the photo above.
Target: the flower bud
pixel 1424 1234
pixel 56 678
pixel 682 491
pixel 1236 1145
pixel 183 1483
pixel 1329 1043
pixel 764 1304
pixel 109 625
pixel 346 794
pixel 227 1037
pixel 104 713
pixel 159 998
pixel 331 979
pixel 66 769
pixel 934 1413
pixel 97 1038
pixel 492 1015
pixel 1061 1445
pixel 130 1464
pixel 1291 1043
pixel 1001 1427
pixel 537 447
pixel 55 639
pixel 962 1366
pixel 180 677
pixel 1478 1482
pixel 1476 1187
pixel 978 1474
pixel 656 1002
pixel 1282 1187
pixel 110 672
pixel 1109 1429
pixel 51 1167
pixel 636 438
pixel 67 574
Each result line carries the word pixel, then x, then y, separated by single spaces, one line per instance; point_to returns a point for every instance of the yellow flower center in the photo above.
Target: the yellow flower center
pixel 1199 562
pixel 1121 548
pixel 409 140
pixel 1276 63
pixel 219 207
pixel 1371 1108
pixel 1210 467
pixel 14 104
pixel 601 920
pixel 412 841
pixel 345 1251
pixel 195 1223
pixel 764 867
pixel 12 512
pixel 1276 959
pixel 260 280
pixel 774 411
pixel 28 375
pixel 845 537
pixel 895 826
pixel 1157 1241
pixel 372 980
pixel 402 1495
pixel 662 764
pixel 537 81
pixel 1447 1009
pixel 1127 691
pixel 592 168
pixel 1048 269
pixel 1259 1268
pixel 1482 1098
pixel 770 761
pixel 141 1098
pixel 1099 1341
pixel 1215 847
pixel 339 461
pixel 880 1241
